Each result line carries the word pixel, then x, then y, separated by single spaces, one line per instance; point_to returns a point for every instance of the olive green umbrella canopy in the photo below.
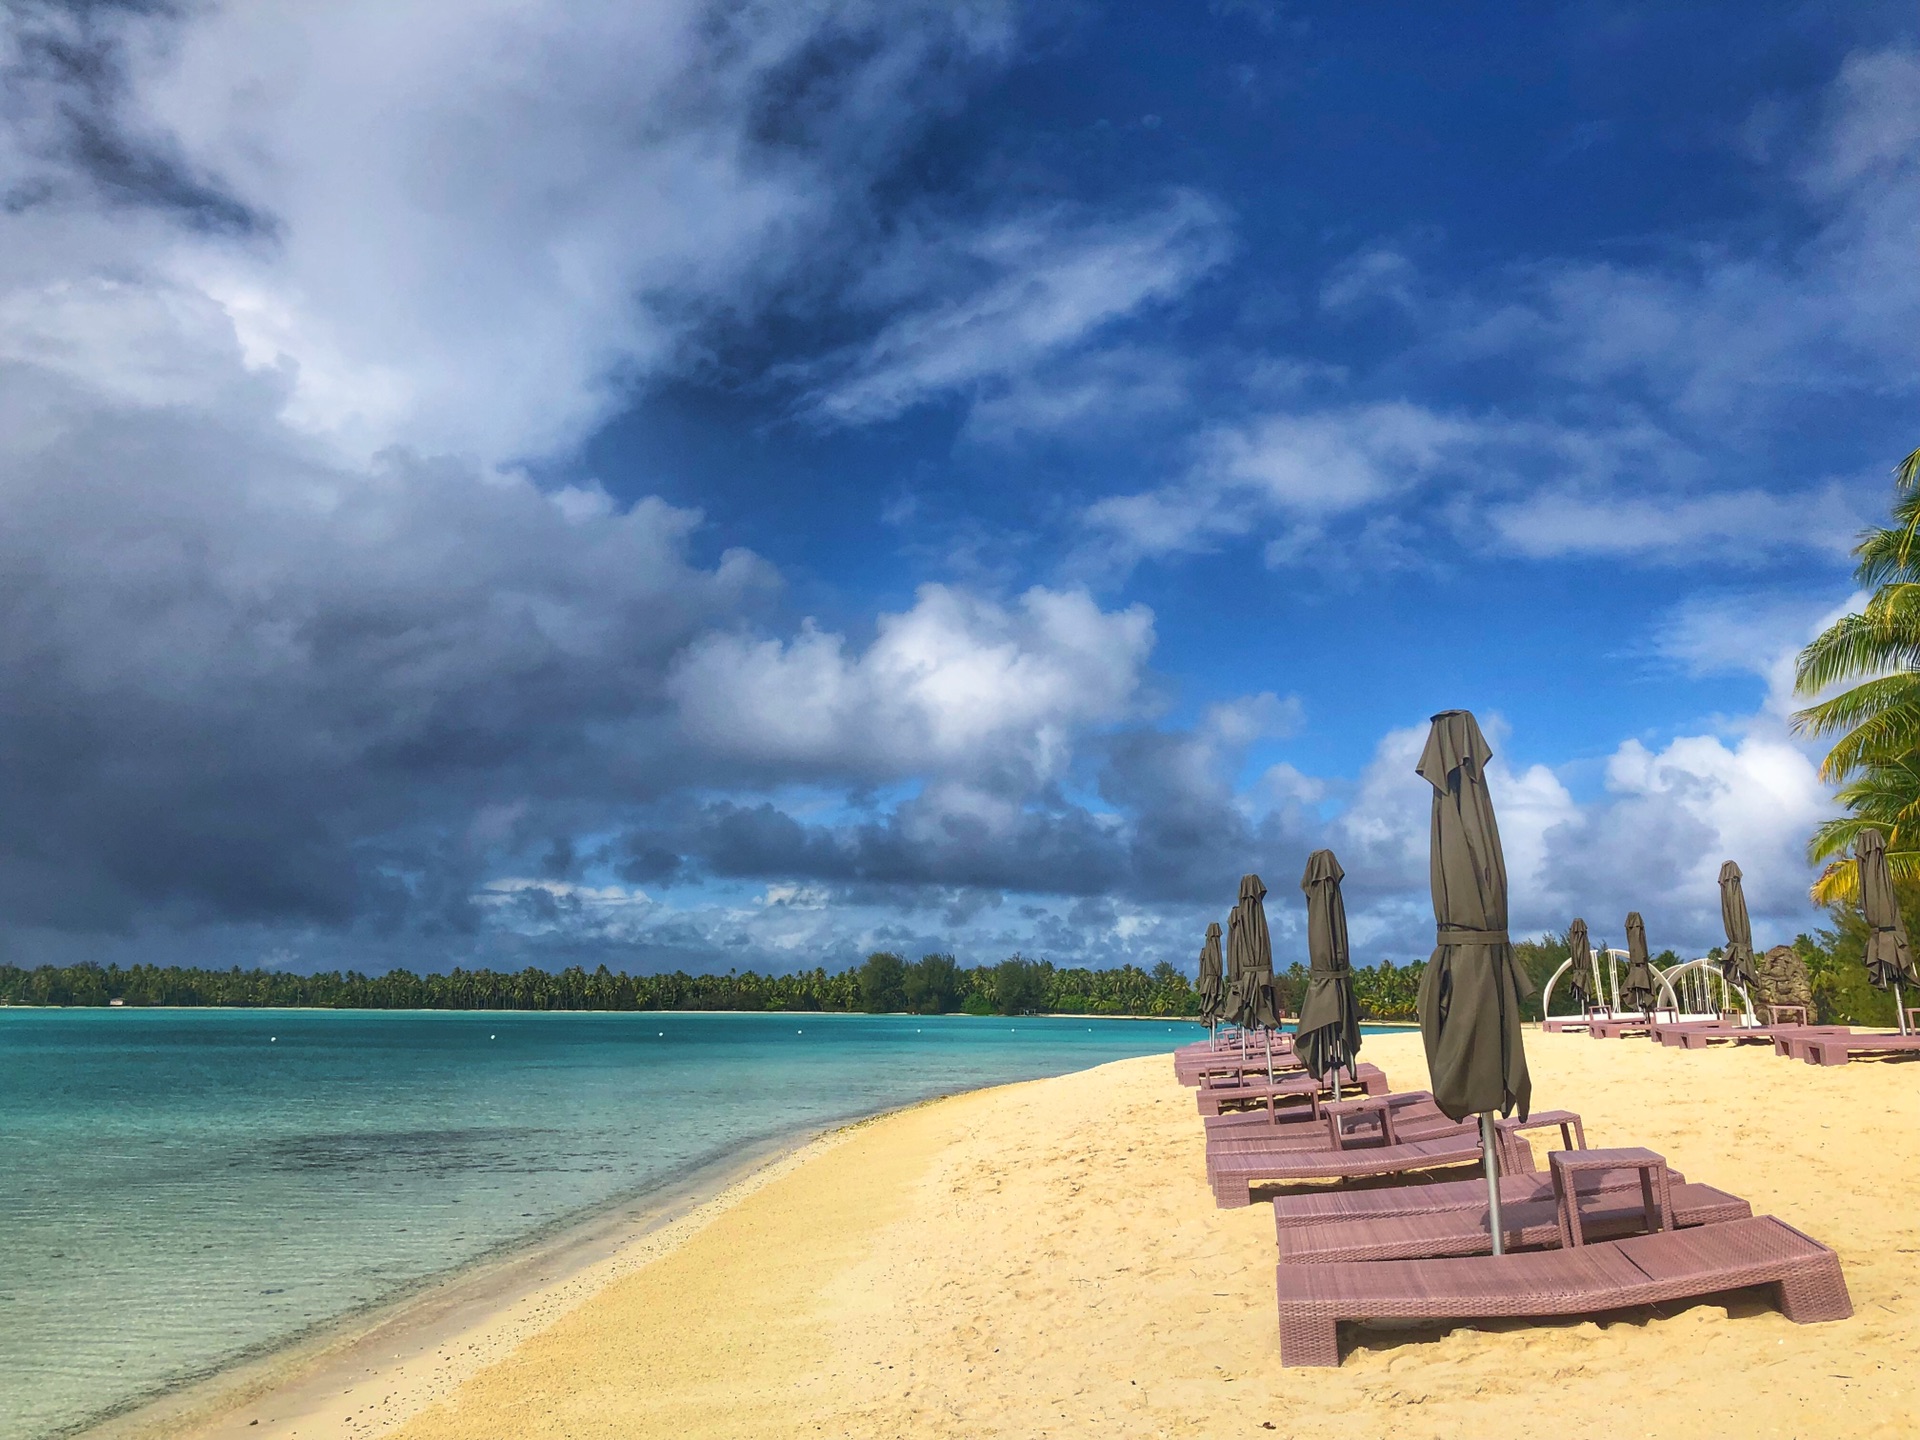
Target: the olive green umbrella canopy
pixel 1471 990
pixel 1638 988
pixel 1234 1006
pixel 1328 1035
pixel 1736 961
pixel 1256 957
pixel 1212 990
pixel 1580 971
pixel 1889 958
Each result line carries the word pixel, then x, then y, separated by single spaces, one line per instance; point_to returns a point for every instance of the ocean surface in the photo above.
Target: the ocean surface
pixel 179 1188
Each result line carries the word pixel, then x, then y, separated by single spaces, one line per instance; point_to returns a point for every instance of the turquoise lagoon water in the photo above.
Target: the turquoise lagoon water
pixel 181 1187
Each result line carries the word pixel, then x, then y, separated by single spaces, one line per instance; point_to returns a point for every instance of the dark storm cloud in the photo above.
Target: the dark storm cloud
pixel 66 82
pixel 240 686
pixel 1173 834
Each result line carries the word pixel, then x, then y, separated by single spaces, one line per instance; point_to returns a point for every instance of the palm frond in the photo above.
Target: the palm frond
pixel 1907 473
pixel 1871 742
pixel 1868 700
pixel 1839 884
pixel 1880 639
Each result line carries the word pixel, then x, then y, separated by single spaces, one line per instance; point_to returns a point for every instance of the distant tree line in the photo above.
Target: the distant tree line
pixel 884 982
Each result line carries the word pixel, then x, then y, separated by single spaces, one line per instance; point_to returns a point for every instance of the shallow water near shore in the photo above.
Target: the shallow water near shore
pixel 183 1187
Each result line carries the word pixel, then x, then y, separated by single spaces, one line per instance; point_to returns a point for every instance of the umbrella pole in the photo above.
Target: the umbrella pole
pixel 1268 1036
pixel 1899 1008
pixel 1492 1161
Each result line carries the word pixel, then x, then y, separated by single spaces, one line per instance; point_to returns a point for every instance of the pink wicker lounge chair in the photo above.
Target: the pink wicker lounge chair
pixel 1297 1097
pixel 1323 1207
pixel 1829 1048
pixel 1619 1028
pixel 1605 1213
pixel 1256 1091
pixel 1687 1264
pixel 1233 1173
pixel 1700 1037
pixel 1192 1069
pixel 1341 1124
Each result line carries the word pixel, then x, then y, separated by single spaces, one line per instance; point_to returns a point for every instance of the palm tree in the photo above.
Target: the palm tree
pixel 1876 760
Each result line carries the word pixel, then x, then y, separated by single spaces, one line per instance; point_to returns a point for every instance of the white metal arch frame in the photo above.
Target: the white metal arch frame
pixel 1610 981
pixel 1709 973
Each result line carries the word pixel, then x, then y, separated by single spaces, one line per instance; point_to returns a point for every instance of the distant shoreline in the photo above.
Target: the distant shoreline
pixel 585 1010
pixel 1193 1020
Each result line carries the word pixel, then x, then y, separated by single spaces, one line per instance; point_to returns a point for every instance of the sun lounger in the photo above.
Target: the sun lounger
pixel 1258 1091
pixel 1687 1264
pixel 1325 1207
pixel 1527 1225
pixel 1233 1175
pixel 1343 1124
pixel 1619 1028
pixel 1200 1060
pixel 1190 1069
pixel 1699 1038
pixel 1674 1032
pixel 1789 1041
pixel 1298 1097
pixel 1838 1049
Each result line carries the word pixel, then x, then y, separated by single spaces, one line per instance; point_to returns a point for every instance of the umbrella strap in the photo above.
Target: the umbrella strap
pixel 1465 935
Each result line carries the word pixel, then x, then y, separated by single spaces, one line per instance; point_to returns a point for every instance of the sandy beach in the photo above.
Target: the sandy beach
pixel 1044 1259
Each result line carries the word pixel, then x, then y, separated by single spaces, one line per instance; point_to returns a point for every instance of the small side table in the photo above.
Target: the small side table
pixel 1367 1107
pixel 1656 1186
pixel 1786 1015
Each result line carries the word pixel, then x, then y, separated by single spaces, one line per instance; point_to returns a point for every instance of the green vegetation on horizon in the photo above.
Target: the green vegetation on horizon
pixel 884 982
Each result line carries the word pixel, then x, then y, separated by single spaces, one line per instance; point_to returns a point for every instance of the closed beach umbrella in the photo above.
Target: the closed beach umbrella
pixel 1212 988
pixel 1471 990
pixel 1580 971
pixel 1261 1009
pixel 1638 989
pixel 1235 955
pixel 1736 961
pixel 1328 1035
pixel 1236 998
pixel 1889 957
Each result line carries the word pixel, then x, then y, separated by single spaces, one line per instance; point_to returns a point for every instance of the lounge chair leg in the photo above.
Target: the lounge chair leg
pixel 1234 1195
pixel 1309 1342
pixel 1816 1294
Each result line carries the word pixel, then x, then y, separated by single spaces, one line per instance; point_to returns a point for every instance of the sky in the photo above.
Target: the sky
pixel 736 485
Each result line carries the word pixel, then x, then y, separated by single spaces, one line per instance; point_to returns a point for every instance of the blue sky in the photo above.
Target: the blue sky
pixel 745 485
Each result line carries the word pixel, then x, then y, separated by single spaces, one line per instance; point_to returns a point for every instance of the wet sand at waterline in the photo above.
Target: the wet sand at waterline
pixel 1044 1259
